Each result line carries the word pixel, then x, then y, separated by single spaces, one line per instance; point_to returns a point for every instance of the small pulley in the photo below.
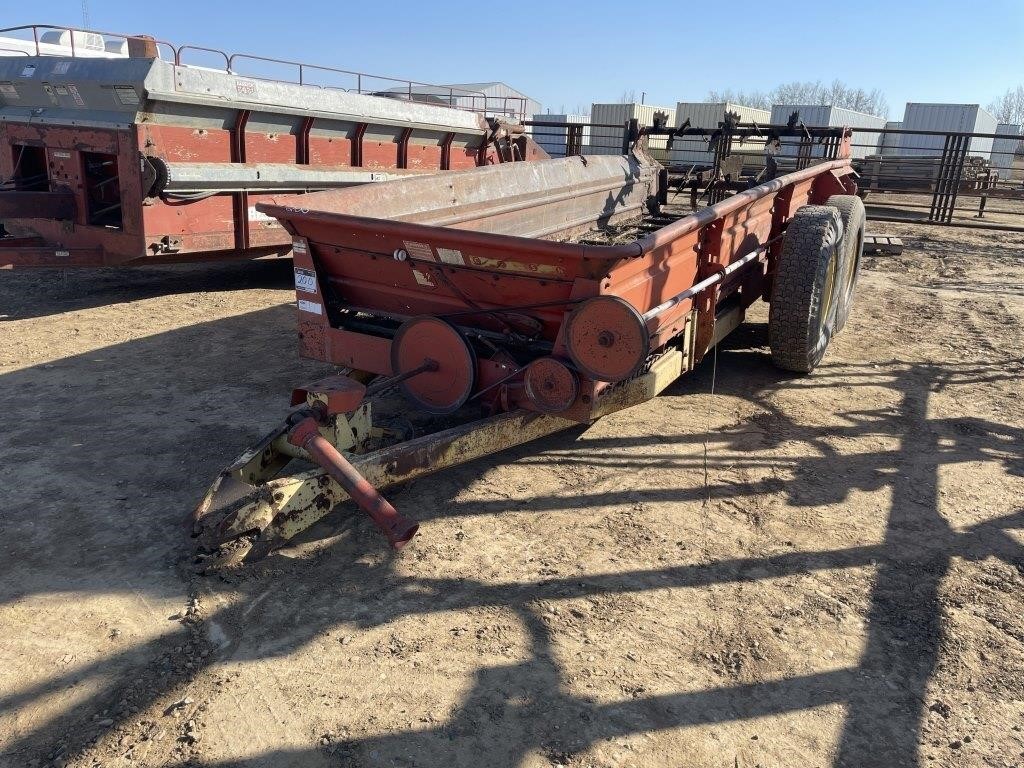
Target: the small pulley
pixel 551 385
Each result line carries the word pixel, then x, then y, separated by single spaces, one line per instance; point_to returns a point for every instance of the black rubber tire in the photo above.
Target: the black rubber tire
pixel 853 216
pixel 801 320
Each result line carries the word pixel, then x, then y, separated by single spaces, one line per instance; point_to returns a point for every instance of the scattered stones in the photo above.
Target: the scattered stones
pixel 173 708
pixel 941 708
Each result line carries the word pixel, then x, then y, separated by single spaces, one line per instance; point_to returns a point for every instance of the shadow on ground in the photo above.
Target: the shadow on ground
pixel 181 404
pixel 42 292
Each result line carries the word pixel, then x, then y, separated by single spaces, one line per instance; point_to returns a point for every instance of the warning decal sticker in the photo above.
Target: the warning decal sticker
pixel 419 250
pixel 311 306
pixel 451 256
pixel 245 88
pixel 423 279
pixel 127 95
pixel 73 90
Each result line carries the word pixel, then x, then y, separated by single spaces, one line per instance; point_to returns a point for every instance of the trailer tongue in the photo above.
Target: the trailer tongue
pixel 508 303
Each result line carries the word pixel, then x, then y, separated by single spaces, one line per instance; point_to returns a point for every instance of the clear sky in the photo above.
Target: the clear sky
pixel 569 54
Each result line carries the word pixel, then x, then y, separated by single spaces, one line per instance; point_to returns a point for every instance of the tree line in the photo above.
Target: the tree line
pixel 835 94
pixel 1009 108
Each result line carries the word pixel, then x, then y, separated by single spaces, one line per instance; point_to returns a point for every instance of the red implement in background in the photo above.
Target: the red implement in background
pixel 116 150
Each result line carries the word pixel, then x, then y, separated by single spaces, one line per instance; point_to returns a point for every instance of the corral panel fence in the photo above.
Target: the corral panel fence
pixel 914 176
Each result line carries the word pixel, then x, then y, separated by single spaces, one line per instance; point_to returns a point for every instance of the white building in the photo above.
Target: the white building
pixel 493 98
pixel 554 139
pixel 947 118
pixel 692 150
pixel 866 133
pixel 608 141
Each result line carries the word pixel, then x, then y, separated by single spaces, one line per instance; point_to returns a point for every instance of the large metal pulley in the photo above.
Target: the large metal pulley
pixel 445 361
pixel 607 338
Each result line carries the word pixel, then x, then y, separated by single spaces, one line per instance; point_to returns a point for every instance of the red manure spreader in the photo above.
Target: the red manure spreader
pixel 498 305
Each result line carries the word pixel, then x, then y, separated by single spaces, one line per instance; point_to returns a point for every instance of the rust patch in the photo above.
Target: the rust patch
pixel 421 458
pixel 312 339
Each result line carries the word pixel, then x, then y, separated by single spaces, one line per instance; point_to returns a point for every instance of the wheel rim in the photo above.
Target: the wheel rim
pixel 829 294
pixel 851 263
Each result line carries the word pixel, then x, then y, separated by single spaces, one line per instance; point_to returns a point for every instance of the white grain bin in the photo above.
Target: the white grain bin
pixel 553 139
pixel 948 118
pixel 691 150
pixel 1005 149
pixel 608 141
pixel 865 127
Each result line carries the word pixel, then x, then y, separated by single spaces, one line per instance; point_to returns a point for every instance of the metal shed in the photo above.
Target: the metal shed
pixel 1005 149
pixel 866 127
pixel 608 141
pixel 553 139
pixel 968 118
pixel 889 143
pixel 691 151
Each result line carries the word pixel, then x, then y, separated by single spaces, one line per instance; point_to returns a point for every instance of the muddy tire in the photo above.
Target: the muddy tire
pixel 801 320
pixel 851 213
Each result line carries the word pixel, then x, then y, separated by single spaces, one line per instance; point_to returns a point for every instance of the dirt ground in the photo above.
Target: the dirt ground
pixel 818 571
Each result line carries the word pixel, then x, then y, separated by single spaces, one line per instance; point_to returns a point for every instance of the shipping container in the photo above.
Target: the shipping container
pixel 553 139
pixel 866 127
pixel 1004 150
pixel 889 143
pixel 608 141
pixel 691 150
pixel 952 118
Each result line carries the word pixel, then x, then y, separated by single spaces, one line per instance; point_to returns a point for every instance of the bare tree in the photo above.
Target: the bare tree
pixel 756 99
pixel 628 97
pixel 837 94
pixel 1009 108
pixel 798 92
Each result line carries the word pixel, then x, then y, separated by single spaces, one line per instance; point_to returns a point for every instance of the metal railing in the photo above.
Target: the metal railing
pixel 358 82
pixel 77 41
